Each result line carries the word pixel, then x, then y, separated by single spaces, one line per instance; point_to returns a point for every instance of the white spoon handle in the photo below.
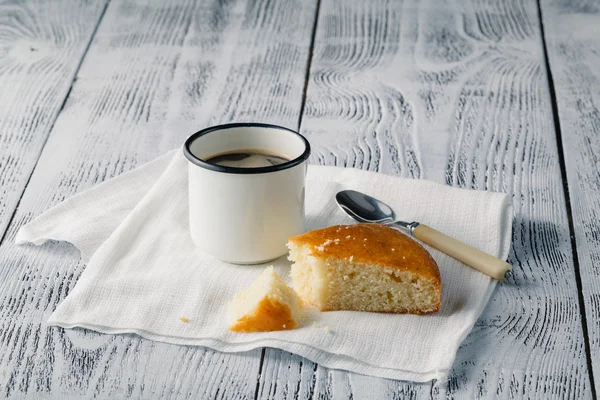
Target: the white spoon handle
pixel 474 258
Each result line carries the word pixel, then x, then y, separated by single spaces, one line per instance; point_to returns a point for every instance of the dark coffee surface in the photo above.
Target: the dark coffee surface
pixel 247 158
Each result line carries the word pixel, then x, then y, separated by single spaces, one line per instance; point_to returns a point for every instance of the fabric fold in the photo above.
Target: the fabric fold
pixel 143 272
pixel 103 206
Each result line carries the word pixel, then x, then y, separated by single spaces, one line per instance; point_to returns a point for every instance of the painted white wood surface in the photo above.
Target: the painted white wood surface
pixel 453 91
pixel 456 92
pixel 573 40
pixel 41 46
pixel 155 72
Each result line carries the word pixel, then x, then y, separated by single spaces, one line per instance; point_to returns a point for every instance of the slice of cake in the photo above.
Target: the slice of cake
pixel 267 305
pixel 364 267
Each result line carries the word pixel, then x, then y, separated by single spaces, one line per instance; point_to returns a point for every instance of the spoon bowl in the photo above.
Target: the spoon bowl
pixel 364 208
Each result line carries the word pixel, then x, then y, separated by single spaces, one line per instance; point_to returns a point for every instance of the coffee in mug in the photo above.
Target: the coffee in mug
pixel 248 158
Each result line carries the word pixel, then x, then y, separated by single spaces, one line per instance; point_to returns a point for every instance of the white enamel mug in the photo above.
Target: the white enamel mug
pixel 246 215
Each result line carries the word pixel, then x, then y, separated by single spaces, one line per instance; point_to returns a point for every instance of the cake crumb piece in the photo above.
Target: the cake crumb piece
pixel 327 329
pixel 393 249
pixel 348 237
pixel 184 320
pixel 365 239
pixel 314 324
pixel 345 277
pixel 268 304
pixel 351 258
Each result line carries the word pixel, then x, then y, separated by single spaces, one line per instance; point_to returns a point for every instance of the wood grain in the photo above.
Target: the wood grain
pixel 155 72
pixel 456 92
pixel 41 44
pixel 572 43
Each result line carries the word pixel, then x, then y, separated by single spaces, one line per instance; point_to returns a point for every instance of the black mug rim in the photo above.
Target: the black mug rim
pixel 235 170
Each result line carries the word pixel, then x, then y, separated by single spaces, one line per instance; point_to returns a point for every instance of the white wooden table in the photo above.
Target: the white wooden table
pixel 498 95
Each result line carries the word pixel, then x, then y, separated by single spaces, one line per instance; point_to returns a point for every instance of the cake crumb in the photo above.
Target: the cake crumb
pixel 283 326
pixel 348 237
pixel 184 320
pixel 314 324
pixel 393 249
pixel 365 239
pixel 351 258
pixel 345 277
pixel 322 247
pixel 327 329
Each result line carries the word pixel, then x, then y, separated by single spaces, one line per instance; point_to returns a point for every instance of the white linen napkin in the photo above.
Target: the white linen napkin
pixel 144 273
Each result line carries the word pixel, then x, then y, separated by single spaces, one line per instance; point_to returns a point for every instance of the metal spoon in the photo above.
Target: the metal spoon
pixel 364 208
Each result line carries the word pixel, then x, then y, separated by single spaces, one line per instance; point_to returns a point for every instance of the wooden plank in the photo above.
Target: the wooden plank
pixel 456 92
pixel 41 45
pixel 156 72
pixel 572 43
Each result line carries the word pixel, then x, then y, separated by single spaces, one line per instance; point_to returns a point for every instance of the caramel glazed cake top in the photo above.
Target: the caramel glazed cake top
pixel 371 244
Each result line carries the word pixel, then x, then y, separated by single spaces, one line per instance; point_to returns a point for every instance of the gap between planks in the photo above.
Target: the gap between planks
pixel 563 173
pixel 308 64
pixel 62 106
